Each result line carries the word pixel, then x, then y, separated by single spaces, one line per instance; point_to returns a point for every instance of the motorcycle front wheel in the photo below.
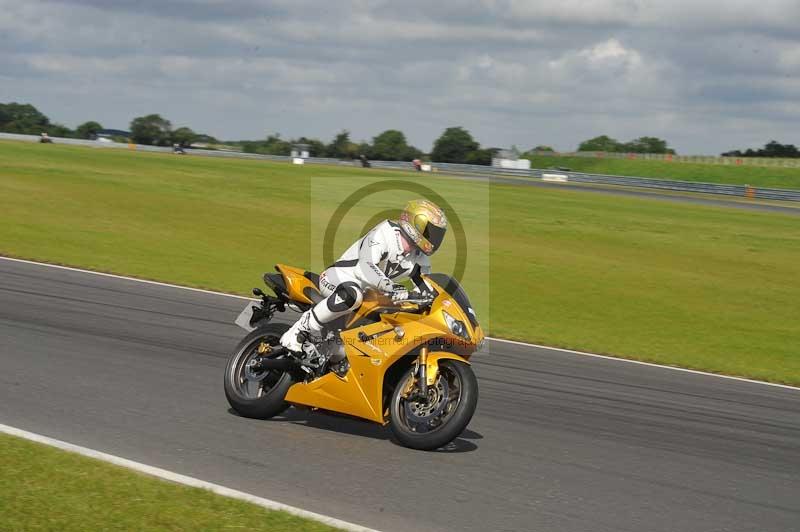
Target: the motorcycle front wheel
pixel 440 418
pixel 256 394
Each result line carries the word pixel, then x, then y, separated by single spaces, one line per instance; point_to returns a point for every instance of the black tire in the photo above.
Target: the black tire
pixel 267 401
pixel 454 420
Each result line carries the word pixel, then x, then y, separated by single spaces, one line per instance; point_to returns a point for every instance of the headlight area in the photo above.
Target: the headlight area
pixel 457 327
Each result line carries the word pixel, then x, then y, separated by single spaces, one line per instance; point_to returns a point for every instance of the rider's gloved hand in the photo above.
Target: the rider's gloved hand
pixel 423 292
pixel 428 295
pixel 399 293
pixel 386 286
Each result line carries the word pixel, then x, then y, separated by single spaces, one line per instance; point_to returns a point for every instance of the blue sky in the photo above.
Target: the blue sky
pixel 706 75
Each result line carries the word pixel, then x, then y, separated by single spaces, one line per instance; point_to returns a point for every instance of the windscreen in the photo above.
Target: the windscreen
pixel 455 290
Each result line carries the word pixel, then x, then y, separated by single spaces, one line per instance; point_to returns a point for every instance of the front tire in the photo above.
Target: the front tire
pixel 256 395
pixel 449 409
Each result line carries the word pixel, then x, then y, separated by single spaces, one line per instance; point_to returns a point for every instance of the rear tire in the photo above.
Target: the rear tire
pixel 261 397
pixel 455 416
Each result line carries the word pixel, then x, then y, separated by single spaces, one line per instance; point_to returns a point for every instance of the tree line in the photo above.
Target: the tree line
pixel 155 130
pixel 604 143
pixel 151 129
pixel 640 145
pixel 454 145
pixel 391 145
pixel 25 119
pixel 772 148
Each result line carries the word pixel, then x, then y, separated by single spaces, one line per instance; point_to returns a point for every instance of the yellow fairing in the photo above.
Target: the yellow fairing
pixel 433 363
pixel 360 392
pixel 374 348
pixel 296 283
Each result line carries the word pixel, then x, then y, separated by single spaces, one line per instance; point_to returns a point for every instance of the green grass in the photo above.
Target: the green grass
pixel 701 287
pixel 756 176
pixel 42 488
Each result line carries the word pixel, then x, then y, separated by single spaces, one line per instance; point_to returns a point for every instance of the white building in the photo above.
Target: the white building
pixel 510 159
pixel 300 151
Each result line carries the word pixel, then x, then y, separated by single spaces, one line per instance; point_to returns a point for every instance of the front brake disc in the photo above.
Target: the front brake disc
pixel 424 412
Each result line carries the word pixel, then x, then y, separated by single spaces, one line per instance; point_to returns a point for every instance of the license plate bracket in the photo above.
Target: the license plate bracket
pixel 244 317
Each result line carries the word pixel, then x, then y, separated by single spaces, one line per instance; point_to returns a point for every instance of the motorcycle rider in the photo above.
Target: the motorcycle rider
pixel 390 252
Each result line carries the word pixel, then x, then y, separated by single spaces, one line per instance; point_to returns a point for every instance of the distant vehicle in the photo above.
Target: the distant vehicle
pixel 44 138
pixel 109 135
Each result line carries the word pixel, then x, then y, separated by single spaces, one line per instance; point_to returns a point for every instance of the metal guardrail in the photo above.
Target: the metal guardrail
pixel 780 162
pixel 744 191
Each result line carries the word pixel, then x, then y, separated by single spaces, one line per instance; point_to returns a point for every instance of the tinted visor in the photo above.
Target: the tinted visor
pixel 434 234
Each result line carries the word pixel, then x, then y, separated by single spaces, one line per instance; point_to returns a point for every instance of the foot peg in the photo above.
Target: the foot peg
pixel 341 368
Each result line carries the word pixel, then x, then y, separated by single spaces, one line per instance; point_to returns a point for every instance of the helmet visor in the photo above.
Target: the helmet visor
pixel 434 234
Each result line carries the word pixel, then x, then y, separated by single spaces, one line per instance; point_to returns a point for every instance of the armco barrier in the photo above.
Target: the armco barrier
pixel 744 191
pixel 142 147
pixel 780 162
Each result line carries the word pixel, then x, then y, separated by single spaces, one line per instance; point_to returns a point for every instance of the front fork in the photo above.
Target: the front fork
pixel 422 369
pixel 424 376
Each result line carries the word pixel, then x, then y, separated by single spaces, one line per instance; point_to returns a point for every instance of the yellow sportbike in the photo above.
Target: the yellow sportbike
pixel 405 364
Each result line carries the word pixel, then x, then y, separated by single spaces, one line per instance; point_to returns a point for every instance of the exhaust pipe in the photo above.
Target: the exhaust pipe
pixel 282 364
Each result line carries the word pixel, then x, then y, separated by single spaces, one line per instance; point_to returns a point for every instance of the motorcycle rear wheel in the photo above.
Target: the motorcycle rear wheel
pixel 256 395
pixel 444 416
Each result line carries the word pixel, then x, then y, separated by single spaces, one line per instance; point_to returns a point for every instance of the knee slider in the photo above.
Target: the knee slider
pixel 351 294
pixel 347 296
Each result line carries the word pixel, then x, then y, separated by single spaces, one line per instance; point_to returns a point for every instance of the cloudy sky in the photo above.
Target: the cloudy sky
pixel 707 75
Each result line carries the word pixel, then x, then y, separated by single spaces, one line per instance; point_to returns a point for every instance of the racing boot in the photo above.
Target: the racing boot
pixel 307 328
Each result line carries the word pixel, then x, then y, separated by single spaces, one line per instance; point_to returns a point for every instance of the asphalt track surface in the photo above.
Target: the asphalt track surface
pixel 560 442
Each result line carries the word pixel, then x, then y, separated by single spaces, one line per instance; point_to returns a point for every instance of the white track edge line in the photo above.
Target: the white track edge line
pixel 116 276
pixel 182 479
pixel 516 342
pixel 642 363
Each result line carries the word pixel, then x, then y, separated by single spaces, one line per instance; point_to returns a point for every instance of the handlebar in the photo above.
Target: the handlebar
pixel 415 301
pixel 386 299
pixel 421 301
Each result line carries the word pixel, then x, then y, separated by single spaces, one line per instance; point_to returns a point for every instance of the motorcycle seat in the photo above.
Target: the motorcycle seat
pixel 313 295
pixel 310 293
pixel 277 282
pixel 313 277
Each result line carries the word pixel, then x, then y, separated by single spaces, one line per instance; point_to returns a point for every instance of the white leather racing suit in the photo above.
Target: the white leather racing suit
pixel 378 260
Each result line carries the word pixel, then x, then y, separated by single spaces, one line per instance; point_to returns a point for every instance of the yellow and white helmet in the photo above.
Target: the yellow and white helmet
pixel 424 223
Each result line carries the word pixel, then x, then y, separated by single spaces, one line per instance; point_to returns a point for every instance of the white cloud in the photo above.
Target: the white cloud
pixel 512 71
pixel 611 53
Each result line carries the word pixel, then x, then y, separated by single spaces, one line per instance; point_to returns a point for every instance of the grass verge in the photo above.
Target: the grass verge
pixel 756 176
pixel 42 488
pixel 701 287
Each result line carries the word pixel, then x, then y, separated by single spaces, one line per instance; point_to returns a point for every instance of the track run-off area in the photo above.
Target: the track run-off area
pixel 560 441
